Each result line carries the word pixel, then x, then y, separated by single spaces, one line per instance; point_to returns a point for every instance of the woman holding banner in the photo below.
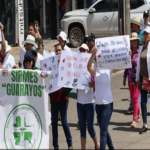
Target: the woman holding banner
pixel 143 77
pixel 104 101
pixel 86 110
pixel 131 74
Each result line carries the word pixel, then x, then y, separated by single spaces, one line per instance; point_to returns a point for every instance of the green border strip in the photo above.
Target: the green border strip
pixel 38 116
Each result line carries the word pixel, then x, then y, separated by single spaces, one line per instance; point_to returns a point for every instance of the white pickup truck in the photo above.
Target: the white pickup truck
pixel 101 19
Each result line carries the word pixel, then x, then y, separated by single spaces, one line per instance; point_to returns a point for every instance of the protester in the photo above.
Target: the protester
pixel 62 38
pixel 131 74
pixel 104 101
pixel 6 59
pixel 86 110
pixel 146 18
pixel 89 3
pixel 142 76
pixel 28 62
pixel 62 10
pixel 59 102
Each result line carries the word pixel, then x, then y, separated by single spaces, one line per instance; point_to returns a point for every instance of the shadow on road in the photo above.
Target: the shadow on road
pixel 129 129
pixel 121 111
pixel 120 123
pixel 124 100
pixel 124 88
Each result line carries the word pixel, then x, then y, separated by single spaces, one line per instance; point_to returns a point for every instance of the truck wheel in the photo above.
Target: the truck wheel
pixel 76 37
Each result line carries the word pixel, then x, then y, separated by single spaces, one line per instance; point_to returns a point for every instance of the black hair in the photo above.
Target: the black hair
pixel 32 65
pixel 34 53
pixel 58 45
pixel 31 24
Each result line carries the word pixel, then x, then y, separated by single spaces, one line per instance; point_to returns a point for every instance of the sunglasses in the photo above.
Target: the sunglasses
pixel 28 60
pixel 58 50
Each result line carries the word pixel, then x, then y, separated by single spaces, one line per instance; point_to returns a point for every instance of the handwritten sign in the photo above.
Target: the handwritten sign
pixel 73 71
pixel 21 21
pixel 113 53
pixel 51 64
pixel 0 35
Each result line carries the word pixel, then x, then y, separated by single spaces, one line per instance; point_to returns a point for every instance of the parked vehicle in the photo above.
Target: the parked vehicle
pixel 101 19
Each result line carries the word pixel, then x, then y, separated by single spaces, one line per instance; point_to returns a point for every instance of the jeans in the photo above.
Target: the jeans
pixel 131 104
pixel 134 94
pixel 86 112
pixel 143 102
pixel 55 108
pixel 104 113
pixel 61 14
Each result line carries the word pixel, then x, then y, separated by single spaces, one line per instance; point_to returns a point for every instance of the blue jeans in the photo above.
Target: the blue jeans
pixel 104 113
pixel 143 102
pixel 86 112
pixel 55 108
pixel 61 14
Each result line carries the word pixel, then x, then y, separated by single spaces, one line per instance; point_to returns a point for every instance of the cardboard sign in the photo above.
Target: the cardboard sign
pixel 113 53
pixel 73 71
pixel 51 64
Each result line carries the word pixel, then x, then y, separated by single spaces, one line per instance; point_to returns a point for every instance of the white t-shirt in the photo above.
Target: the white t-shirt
pixel 85 96
pixel 103 94
pixel 9 61
pixel 47 54
pixel 143 27
pixel 67 48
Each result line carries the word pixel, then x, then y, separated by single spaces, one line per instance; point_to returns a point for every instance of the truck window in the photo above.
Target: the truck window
pixel 103 6
pixel 136 3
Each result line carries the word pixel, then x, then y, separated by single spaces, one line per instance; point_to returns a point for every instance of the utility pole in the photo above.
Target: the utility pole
pixel 127 18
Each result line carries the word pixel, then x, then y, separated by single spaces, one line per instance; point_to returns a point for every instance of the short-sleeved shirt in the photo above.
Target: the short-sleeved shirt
pixel 61 4
pixel 141 36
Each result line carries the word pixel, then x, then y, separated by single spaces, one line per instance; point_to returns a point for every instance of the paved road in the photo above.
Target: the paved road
pixel 122 135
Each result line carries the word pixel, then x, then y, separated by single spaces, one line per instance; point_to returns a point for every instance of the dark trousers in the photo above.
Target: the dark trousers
pixel 143 102
pixel 104 113
pixel 55 108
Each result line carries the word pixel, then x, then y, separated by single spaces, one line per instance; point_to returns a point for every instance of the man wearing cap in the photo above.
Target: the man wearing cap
pixel 62 38
pixel 136 24
pixel 6 59
pixel 146 19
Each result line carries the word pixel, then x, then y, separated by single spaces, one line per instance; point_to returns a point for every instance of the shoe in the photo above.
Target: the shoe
pixel 130 110
pixel 71 147
pixel 139 117
pixel 133 124
pixel 143 130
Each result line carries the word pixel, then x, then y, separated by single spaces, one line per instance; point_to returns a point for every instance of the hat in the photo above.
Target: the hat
pixel 136 20
pixel 134 36
pixel 8 47
pixel 30 39
pixel 146 14
pixel 63 35
pixel 84 46
pixel 91 37
pixel 147 29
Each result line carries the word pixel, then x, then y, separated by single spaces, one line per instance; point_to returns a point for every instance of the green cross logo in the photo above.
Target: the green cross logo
pixel 23 128
pixel 21 131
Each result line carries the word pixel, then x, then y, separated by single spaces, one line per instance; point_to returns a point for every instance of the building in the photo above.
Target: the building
pixel 16 15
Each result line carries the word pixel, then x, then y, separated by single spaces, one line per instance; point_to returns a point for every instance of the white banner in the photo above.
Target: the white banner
pixel 113 52
pixel 21 21
pixel 24 109
pixel 73 71
pixel 51 64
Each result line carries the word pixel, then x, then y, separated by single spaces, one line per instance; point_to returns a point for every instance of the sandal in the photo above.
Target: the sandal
pixel 139 117
pixel 133 124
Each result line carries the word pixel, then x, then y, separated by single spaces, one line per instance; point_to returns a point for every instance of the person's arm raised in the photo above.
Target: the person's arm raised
pixel 3 50
pixel 90 67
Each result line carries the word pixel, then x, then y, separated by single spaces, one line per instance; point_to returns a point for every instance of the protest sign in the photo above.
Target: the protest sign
pixel 113 52
pixel 24 109
pixel 0 35
pixel 73 71
pixel 51 64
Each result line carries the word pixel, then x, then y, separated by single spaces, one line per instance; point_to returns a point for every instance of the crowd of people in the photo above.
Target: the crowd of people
pixel 99 98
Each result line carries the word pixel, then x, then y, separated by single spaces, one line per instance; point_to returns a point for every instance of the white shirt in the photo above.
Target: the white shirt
pixel 85 96
pixel 67 48
pixel 103 94
pixel 143 27
pixel 9 61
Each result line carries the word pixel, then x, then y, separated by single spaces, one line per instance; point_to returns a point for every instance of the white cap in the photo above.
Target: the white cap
pixel 63 35
pixel 147 29
pixel 8 47
pixel 84 46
